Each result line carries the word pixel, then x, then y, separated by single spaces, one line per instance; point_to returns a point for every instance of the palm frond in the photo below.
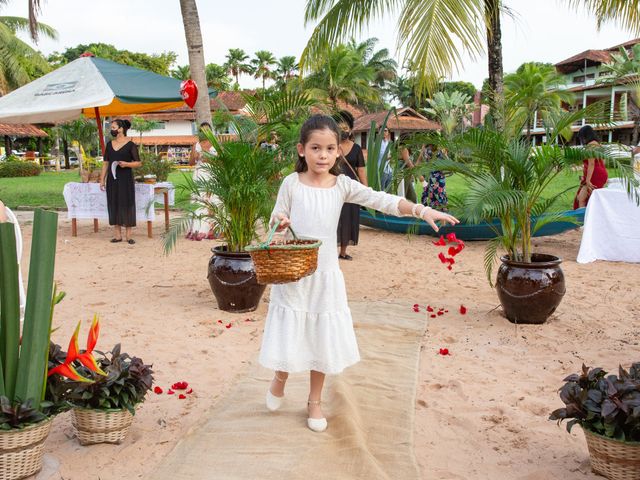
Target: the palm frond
pixel 624 13
pixel 21 24
pixel 490 254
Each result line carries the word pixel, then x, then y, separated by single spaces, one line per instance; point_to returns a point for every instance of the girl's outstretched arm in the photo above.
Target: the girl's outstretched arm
pixel 427 214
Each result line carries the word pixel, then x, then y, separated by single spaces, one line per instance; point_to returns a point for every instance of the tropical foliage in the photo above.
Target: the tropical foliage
pixel 449 110
pixel 237 64
pixel 263 64
pixel 217 77
pixel 181 72
pixel 83 131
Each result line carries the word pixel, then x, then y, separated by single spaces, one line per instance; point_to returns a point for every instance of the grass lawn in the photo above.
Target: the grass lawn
pixel 45 190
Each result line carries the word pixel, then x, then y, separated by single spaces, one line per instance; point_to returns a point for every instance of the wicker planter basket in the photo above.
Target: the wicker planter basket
pixel 100 426
pixel 285 261
pixel 613 459
pixel 21 450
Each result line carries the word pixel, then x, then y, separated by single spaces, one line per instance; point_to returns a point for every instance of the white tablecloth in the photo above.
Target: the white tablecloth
pixel 172 193
pixel 86 200
pixel 611 227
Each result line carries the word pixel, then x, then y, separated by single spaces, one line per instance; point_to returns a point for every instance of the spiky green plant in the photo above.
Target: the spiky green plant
pixel 23 365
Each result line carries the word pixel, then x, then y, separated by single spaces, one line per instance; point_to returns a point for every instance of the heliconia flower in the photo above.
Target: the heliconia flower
pixel 157 390
pixel 440 242
pixel 87 359
pixel 94 332
pixel 463 309
pixel 66 370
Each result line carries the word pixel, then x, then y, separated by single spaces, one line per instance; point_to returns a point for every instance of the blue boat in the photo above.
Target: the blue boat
pixel 464 231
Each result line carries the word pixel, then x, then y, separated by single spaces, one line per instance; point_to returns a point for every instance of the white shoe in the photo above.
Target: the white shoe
pixel 273 402
pixel 316 424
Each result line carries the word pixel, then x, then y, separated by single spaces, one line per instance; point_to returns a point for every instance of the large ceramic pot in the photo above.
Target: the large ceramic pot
pixel 530 292
pixel 233 281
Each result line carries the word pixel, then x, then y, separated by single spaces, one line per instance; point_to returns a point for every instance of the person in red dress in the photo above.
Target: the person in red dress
pixel 594 172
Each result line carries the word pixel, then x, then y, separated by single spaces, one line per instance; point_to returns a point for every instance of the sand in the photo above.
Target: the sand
pixel 480 413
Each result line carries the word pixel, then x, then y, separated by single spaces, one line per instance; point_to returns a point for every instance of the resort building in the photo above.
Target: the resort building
pixel 405 120
pixel 590 83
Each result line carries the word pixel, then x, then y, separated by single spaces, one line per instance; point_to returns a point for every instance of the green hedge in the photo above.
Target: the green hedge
pixel 19 169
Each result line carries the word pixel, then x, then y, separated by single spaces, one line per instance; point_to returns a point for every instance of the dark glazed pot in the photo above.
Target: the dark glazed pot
pixel 530 292
pixel 233 281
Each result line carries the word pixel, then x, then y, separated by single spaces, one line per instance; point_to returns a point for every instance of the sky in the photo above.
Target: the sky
pixel 538 30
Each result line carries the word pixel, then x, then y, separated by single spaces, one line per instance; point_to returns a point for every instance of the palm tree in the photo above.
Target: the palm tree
pixel 385 67
pixel 403 89
pixel 449 109
pixel 193 35
pixel 286 69
pixel 82 130
pixel 237 64
pixel 217 77
pixel 181 72
pixel 19 63
pixel 533 88
pixel 341 75
pixel 625 68
pixel 262 65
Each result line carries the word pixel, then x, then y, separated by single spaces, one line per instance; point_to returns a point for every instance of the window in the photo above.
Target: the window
pixel 578 79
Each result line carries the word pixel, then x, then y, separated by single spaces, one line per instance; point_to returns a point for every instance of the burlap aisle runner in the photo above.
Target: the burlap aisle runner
pixel 369 407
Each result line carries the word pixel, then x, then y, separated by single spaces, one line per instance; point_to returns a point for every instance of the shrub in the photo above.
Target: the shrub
pixel 13 168
pixel 153 164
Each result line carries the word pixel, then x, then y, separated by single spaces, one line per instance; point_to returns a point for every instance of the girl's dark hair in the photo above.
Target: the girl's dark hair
pixel 124 124
pixel 346 117
pixel 586 135
pixel 313 123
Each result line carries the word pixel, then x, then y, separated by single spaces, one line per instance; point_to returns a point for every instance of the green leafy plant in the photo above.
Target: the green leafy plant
pixel 374 152
pixel 18 415
pixel 236 193
pixel 19 168
pixel 153 164
pixel 24 354
pixel 608 405
pixel 124 386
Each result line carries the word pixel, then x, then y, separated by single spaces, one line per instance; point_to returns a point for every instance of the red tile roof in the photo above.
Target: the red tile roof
pixel 21 130
pixel 166 140
pixel 592 57
pixel 406 120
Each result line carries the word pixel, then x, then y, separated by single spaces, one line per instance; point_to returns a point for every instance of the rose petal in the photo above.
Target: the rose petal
pixel 415 305
pixel 440 313
pixel 190 390
pixel 463 309
pixel 444 351
pixel 429 308
pixel 451 237
pixel 228 325
pixel 180 386
pixel 157 390
pixel 449 267
pixel 442 257
pixel 219 321
pixel 440 242
pixel 450 260
pixel 433 315
pixel 170 392
pixel 182 396
pixel 446 311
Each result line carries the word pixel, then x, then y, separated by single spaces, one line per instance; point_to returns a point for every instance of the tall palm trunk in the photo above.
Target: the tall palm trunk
pixel 494 52
pixel 65 150
pixel 192 32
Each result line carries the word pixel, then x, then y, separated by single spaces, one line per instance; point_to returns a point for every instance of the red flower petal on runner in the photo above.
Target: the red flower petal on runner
pixel 444 351
pixel 442 257
pixel 170 392
pixel 446 311
pixel 450 260
pixel 228 325
pixel 440 242
pixel 433 315
pixel 182 397
pixel 449 267
pixel 429 308
pixel 451 237
pixel 415 305
pixel 440 313
pixel 190 390
pixel 180 386
pixel 463 309
pixel 219 321
pixel 157 390
pixel 417 310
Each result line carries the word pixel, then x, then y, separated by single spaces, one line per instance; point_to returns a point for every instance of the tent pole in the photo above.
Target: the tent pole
pixel 100 134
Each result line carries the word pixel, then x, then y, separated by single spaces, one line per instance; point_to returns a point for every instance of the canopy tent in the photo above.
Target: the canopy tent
pixel 92 87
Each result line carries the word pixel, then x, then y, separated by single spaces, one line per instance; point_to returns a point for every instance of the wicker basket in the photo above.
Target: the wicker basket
pixel 100 426
pixel 613 459
pixel 21 450
pixel 285 261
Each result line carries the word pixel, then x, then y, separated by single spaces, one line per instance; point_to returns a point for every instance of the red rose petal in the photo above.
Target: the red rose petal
pixel 440 242
pixel 463 309
pixel 444 351
pixel 219 321
pixel 440 313
pixel 451 237
pixel 429 308
pixel 415 305
pixel 170 392
pixel 442 257
pixel 157 390
pixel 228 325
pixel 446 311
pixel 190 390
pixel 182 396
pixel 450 260
pixel 433 315
pixel 180 386
pixel 417 310
pixel 452 251
pixel 449 267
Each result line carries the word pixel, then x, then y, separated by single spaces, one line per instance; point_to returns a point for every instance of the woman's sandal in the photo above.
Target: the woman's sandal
pixel 131 241
pixel 116 240
pixel 345 257
pixel 316 424
pixel 273 402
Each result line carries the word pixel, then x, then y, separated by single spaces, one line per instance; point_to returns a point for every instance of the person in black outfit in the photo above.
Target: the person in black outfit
pixel 353 166
pixel 121 193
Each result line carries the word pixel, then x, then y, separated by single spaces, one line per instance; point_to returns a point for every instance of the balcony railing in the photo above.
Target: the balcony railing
pixel 618 117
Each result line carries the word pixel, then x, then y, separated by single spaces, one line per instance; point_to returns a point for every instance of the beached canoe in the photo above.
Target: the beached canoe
pixel 464 231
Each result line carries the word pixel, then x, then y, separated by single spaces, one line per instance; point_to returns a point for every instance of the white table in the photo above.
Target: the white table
pixel 87 200
pixel 611 227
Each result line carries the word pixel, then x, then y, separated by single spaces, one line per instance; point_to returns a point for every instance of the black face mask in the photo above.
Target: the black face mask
pixel 344 135
pixel 114 133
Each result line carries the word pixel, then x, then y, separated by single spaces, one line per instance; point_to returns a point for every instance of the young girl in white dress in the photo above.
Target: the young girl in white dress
pixel 309 325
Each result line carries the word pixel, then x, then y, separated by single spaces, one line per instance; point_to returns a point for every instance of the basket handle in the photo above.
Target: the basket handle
pixel 265 245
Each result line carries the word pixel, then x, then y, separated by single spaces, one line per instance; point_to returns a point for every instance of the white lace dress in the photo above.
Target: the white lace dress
pixel 309 325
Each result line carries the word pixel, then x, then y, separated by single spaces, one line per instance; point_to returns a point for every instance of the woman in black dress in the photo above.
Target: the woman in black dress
pixel 353 167
pixel 121 193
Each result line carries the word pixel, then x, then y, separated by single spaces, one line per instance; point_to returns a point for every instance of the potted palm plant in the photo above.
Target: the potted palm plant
pixel 507 180
pixel 607 407
pixel 25 415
